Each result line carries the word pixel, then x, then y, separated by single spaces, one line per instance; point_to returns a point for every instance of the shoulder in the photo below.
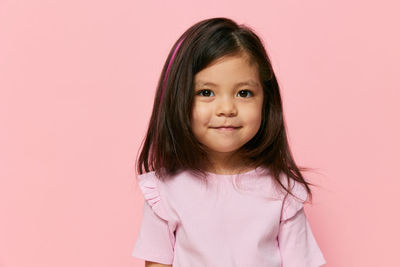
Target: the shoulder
pixel 298 189
pixel 292 203
pixel 152 187
pixel 163 195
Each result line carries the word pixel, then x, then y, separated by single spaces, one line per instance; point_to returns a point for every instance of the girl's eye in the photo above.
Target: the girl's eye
pixel 205 92
pixel 245 93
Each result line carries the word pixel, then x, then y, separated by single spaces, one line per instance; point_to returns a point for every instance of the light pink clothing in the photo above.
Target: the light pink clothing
pixel 241 221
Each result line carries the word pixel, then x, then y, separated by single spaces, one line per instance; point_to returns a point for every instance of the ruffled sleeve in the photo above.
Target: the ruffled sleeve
pixel 291 204
pixel 149 185
pixel 156 238
pixel 297 243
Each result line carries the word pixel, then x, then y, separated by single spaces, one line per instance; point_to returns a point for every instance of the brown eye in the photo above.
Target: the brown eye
pixel 245 93
pixel 205 92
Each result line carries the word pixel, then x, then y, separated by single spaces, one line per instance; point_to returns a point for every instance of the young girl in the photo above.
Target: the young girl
pixel 220 184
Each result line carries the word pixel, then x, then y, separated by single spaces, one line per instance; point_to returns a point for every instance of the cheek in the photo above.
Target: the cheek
pixel 255 123
pixel 253 118
pixel 253 114
pixel 201 115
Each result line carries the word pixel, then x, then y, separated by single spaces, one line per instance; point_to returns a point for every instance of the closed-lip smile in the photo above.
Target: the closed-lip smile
pixel 226 127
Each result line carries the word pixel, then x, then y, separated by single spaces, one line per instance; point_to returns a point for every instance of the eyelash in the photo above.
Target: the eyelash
pixel 201 91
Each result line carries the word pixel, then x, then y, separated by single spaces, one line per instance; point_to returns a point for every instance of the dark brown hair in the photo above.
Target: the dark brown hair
pixel 170 145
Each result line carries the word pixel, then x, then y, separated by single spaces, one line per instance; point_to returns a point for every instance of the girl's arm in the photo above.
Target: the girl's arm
pixel 155 264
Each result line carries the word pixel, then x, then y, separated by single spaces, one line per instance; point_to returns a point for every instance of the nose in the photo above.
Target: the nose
pixel 226 107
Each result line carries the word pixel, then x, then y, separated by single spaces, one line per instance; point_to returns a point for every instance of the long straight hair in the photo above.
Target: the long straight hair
pixel 170 146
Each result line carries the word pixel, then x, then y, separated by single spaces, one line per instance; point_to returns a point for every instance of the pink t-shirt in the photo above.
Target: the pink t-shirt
pixel 241 221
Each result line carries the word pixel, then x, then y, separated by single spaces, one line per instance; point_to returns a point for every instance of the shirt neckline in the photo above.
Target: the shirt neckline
pixel 211 174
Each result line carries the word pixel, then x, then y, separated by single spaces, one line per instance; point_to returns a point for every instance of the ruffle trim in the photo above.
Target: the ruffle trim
pixel 149 185
pixel 291 204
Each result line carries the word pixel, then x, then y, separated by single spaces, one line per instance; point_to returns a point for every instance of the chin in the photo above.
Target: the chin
pixel 224 149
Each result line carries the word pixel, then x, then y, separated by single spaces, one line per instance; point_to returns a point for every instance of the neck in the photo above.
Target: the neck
pixel 227 163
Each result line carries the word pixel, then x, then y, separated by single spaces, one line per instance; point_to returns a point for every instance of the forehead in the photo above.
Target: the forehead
pixel 249 82
pixel 232 70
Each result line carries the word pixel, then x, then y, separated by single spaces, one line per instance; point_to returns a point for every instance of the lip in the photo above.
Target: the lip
pixel 226 128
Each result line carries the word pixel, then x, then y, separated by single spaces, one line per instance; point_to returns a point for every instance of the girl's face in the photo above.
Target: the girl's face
pixel 227 105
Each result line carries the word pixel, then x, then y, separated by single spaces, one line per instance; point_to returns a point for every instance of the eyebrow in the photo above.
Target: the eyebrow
pixel 248 82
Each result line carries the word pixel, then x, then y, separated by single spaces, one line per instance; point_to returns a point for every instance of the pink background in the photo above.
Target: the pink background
pixel 77 81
